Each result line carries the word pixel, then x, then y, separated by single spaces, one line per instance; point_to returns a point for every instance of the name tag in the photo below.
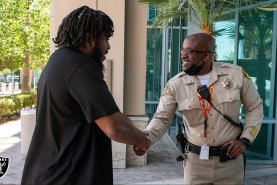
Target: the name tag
pixel 204 153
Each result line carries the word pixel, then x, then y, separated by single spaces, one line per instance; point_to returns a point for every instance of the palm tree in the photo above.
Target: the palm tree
pixel 203 13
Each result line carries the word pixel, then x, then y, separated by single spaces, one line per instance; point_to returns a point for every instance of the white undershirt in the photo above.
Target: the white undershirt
pixel 204 79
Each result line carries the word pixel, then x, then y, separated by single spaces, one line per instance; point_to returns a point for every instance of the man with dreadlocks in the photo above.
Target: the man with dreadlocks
pixel 76 115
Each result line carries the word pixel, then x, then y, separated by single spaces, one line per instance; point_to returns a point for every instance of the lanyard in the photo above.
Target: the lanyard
pixel 206 110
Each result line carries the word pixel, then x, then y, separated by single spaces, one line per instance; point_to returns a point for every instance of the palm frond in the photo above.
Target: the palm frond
pixel 268 7
pixel 154 2
pixel 203 13
pixel 167 12
pixel 219 32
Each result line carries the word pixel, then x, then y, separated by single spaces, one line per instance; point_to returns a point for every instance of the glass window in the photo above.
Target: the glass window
pixel 163 57
pixel 154 64
pixel 174 45
pixel 255 56
pixel 251 47
pixel 161 68
pixel 255 52
pixel 247 39
pixel 225 39
pixel 152 13
pixel 263 145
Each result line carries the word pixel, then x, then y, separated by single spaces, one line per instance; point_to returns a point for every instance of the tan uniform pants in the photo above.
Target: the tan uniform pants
pixel 212 171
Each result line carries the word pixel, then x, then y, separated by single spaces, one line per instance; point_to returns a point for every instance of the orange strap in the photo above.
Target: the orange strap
pixel 205 111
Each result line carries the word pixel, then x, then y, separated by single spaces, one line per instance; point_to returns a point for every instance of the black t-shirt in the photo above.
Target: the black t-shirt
pixel 67 145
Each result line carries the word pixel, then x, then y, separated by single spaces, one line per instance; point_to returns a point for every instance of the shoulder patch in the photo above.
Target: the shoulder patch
pixel 254 132
pixel 245 74
pixel 166 89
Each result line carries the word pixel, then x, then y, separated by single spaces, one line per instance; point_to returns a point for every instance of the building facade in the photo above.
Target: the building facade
pixel 248 40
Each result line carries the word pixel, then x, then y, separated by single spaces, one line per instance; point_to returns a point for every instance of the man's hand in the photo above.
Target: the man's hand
pixel 142 148
pixel 236 148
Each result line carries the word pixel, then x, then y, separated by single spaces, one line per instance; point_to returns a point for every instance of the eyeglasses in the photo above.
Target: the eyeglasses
pixel 188 51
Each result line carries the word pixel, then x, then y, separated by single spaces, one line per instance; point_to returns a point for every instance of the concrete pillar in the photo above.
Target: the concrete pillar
pixel 28 122
pixel 3 87
pixel 16 86
pixel 135 60
pixel 131 158
pixel 10 87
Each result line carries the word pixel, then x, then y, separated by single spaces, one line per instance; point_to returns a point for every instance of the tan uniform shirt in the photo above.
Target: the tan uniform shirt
pixel 181 94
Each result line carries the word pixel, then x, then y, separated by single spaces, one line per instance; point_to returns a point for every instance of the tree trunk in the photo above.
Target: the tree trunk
pixel 25 76
pixel 208 29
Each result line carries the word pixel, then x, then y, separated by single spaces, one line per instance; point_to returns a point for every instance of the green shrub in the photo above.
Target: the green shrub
pixel 6 106
pixel 12 104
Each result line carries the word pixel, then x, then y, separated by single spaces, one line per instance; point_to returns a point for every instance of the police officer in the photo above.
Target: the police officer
pixel 206 129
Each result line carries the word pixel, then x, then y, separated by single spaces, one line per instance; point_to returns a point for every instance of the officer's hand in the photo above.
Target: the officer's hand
pixel 236 148
pixel 141 149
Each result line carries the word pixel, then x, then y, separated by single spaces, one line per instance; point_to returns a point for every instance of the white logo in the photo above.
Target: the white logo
pixel 4 163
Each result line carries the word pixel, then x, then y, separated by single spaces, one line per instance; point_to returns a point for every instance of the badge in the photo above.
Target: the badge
pixel 204 153
pixel 4 163
pixel 226 83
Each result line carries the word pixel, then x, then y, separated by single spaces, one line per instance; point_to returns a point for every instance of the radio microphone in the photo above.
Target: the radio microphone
pixel 205 94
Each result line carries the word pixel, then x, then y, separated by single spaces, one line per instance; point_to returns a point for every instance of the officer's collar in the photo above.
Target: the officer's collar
pixel 215 73
pixel 190 79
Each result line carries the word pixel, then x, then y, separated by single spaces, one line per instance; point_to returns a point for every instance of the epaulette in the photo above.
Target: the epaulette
pixel 223 64
pixel 180 74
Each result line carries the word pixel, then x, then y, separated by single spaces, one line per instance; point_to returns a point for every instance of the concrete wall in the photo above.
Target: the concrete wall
pixel 116 10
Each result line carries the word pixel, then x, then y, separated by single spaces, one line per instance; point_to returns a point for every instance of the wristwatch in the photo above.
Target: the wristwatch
pixel 245 141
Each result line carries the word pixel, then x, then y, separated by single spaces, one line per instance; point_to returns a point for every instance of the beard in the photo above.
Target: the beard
pixel 194 69
pixel 100 57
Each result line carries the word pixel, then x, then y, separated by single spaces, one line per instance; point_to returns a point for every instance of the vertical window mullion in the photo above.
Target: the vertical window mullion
pixel 236 36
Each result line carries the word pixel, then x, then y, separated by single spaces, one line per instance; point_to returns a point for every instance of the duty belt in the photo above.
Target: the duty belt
pixel 213 150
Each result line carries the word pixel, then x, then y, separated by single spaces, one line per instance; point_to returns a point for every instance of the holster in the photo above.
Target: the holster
pixel 223 157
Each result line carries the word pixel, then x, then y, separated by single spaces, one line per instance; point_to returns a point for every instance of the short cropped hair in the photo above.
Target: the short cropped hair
pixel 206 39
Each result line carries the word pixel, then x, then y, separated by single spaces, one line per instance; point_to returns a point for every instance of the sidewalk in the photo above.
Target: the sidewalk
pixel 162 167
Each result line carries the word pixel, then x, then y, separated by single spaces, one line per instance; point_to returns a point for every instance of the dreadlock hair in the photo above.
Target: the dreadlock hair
pixel 84 20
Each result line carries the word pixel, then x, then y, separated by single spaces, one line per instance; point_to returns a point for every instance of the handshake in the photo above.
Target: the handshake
pixel 142 148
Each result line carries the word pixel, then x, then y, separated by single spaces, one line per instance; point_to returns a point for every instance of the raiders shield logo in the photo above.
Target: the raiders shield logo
pixel 4 163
